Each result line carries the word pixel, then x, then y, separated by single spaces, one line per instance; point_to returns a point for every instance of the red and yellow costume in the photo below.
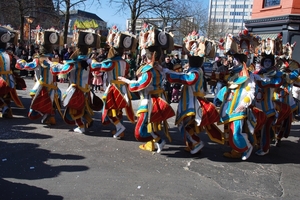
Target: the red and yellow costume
pixel 116 96
pixel 7 80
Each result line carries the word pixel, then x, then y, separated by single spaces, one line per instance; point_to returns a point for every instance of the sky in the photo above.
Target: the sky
pixel 108 13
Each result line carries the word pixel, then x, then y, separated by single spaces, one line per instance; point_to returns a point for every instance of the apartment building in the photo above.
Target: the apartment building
pixel 227 16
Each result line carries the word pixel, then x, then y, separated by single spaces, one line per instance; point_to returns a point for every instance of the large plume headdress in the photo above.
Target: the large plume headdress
pixel 7 35
pixel 152 37
pixel 48 39
pixel 119 41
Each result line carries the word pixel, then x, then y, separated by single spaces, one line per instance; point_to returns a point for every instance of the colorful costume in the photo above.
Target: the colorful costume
pixel 267 79
pixel 153 110
pixel 7 81
pixel 194 111
pixel 45 93
pixel 77 99
pixel 283 95
pixel 116 96
pixel 296 95
pixel 236 112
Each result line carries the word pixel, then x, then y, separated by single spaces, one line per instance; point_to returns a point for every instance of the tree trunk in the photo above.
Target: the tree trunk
pixel 22 28
pixel 133 21
pixel 67 18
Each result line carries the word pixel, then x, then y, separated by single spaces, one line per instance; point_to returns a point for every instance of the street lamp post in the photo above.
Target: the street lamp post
pixel 29 20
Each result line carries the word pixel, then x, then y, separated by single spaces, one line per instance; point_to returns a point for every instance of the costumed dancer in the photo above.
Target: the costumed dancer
pixel 267 79
pixel 153 110
pixel 286 104
pixel 116 96
pixel 296 95
pixel 235 112
pixel 7 81
pixel 45 93
pixel 76 98
pixel 194 111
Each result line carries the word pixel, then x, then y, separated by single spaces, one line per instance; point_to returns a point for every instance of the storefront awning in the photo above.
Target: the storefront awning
pixel 268 35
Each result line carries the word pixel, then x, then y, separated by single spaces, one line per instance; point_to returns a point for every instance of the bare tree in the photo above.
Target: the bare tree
pixel 67 5
pixel 137 8
pixel 189 16
pixel 21 8
pixel 217 30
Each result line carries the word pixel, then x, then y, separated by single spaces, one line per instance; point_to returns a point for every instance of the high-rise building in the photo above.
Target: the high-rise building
pixel 227 16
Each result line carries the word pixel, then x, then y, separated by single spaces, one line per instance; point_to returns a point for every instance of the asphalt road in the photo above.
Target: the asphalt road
pixel 41 162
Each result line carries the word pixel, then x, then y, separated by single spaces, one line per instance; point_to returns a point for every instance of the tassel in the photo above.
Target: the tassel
pixel 113 112
pixel 166 130
pixel 197 129
pixel 57 104
pixel 149 127
pixel 155 127
pixel 159 126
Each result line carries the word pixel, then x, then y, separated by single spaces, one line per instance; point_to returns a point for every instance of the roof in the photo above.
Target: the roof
pixel 85 14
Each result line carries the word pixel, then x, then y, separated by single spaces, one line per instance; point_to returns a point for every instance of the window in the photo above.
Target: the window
pixel 269 3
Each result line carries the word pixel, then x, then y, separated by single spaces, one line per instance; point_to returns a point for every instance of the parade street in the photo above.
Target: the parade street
pixel 42 162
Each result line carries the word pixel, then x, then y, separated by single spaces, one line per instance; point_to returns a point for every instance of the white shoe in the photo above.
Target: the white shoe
pixel 197 148
pixel 120 129
pixel 160 146
pixel 79 130
pixel 247 153
pixel 261 152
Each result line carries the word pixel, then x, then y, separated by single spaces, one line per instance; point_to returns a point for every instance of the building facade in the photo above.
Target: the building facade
pixel 83 16
pixel 227 16
pixel 270 17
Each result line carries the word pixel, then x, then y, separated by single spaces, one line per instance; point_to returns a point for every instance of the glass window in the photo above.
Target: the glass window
pixel 269 3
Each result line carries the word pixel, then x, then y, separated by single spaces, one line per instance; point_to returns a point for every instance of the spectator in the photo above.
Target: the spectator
pixel 19 48
pixel 24 56
pixel 215 66
pixel 176 59
pixel 63 51
pixel 68 54
pixel 132 66
pixel 220 82
pixel 11 48
pixel 102 55
pixel 31 52
pixel 94 53
pixel 167 85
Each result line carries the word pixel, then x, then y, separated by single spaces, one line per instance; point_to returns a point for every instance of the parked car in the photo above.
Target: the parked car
pixel 207 67
pixel 184 61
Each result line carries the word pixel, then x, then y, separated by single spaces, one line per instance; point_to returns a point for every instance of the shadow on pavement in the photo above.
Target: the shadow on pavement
pixel 24 191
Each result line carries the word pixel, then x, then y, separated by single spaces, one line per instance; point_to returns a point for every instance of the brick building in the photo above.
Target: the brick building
pixel 270 17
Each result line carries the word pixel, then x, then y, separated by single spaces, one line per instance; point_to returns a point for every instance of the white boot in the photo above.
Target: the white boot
pixel 79 130
pixel 119 129
pixel 160 145
pixel 248 152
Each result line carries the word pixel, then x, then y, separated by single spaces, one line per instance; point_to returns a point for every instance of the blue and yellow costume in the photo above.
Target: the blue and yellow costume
pixel 76 97
pixel 267 80
pixel 193 112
